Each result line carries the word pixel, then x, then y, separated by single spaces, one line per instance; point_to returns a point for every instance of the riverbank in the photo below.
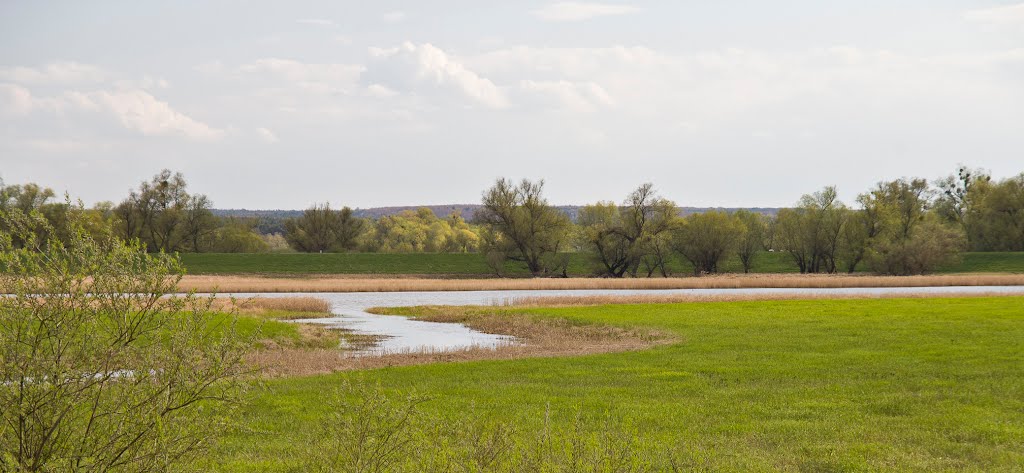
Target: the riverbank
pixel 257 284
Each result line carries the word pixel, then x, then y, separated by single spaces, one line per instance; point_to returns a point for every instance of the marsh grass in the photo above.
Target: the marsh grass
pixel 534 337
pixel 729 281
pixel 286 308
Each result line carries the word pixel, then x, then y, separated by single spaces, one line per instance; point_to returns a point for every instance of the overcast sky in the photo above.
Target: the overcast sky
pixel 726 103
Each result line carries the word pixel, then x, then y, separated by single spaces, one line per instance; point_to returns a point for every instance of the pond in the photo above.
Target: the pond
pixel 401 334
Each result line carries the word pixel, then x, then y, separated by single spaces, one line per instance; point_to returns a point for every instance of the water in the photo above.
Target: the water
pixel 400 334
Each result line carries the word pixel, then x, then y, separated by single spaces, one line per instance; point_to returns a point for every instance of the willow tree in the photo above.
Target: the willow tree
pixel 620 238
pixel 706 239
pixel 523 227
pixel 753 241
pixel 165 217
pixel 812 231
pixel 995 221
pixel 322 229
pixel 100 370
pixel 914 239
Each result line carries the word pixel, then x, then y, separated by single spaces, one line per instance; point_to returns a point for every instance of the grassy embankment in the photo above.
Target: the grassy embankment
pixel 822 385
pixel 468 264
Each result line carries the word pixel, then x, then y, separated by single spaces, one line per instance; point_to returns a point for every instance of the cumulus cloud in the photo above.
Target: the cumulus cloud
pixel 134 109
pixel 1001 15
pixel 579 11
pixel 139 111
pixel 410 67
pixel 57 73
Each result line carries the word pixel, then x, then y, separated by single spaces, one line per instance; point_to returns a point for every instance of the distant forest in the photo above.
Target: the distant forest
pixel 272 221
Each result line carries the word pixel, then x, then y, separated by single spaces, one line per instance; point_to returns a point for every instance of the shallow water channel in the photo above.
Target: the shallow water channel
pixel 401 334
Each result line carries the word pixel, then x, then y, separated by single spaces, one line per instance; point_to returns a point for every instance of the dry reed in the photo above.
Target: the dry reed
pixel 280 307
pixel 731 281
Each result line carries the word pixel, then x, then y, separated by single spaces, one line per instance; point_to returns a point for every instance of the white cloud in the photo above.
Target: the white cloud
pixel 57 73
pixel 1002 15
pixel 267 136
pixel 74 110
pixel 717 88
pixel 138 110
pixel 411 66
pixel 579 11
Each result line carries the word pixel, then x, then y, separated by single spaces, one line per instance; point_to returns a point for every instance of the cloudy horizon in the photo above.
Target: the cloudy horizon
pixel 270 106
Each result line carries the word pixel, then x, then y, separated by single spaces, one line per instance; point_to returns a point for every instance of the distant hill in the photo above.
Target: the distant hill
pixel 271 221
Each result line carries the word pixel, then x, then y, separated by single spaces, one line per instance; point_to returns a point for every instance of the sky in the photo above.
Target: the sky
pixel 277 105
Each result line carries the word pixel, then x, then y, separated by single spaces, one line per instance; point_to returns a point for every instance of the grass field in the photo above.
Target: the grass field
pixel 1005 262
pixel 469 264
pixel 823 385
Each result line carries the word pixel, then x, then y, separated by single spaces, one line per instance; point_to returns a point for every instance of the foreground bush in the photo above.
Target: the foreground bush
pixel 99 370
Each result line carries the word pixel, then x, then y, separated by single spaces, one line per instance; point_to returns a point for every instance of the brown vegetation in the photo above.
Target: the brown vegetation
pixel 276 307
pixel 536 337
pixel 226 284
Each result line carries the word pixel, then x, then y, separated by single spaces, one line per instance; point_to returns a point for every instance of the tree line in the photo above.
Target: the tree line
pixel 904 226
pixel 900 227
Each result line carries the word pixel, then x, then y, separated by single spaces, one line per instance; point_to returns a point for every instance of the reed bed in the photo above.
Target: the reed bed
pixel 534 337
pixel 279 307
pixel 257 284
pixel 566 301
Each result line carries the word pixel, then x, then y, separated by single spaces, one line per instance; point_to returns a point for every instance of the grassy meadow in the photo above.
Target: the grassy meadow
pixel 816 385
pixel 470 264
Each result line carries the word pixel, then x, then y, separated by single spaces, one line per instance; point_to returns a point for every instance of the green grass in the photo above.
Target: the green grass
pixel 991 262
pixel 469 264
pixel 336 263
pixel 825 385
pixel 258 328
